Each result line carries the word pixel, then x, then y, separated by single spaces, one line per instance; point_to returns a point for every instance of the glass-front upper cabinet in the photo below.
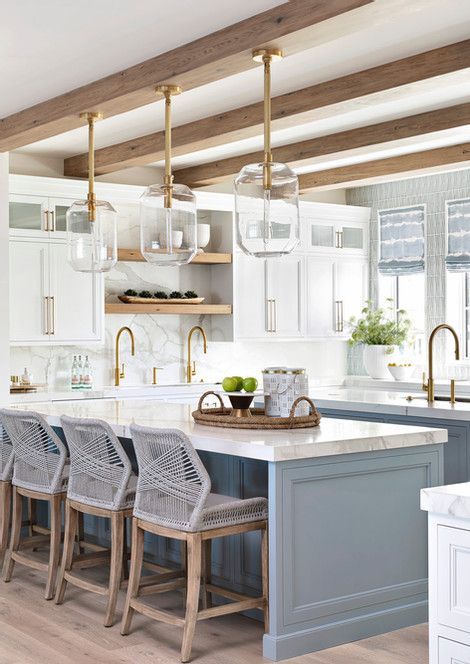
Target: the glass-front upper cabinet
pixel 331 235
pixel 37 215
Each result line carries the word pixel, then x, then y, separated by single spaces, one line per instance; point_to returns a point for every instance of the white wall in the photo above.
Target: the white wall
pixel 4 300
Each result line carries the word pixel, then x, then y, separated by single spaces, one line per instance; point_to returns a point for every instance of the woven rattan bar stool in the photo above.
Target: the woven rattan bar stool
pixel 101 484
pixel 6 474
pixel 174 500
pixel 40 472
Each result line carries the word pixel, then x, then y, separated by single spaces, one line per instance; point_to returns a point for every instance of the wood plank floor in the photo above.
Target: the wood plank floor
pixel 33 631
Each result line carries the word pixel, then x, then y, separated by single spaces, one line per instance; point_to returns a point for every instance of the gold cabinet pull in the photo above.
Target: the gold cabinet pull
pixel 46 220
pixel 52 328
pixel 52 228
pixel 45 326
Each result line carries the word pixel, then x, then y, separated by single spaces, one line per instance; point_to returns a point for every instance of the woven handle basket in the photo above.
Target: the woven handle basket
pixel 221 417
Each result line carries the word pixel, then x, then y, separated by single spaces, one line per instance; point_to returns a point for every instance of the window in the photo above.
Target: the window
pixel 401 279
pixel 458 269
pixel 406 292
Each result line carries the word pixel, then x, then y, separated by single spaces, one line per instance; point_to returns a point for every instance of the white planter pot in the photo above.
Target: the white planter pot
pixel 376 359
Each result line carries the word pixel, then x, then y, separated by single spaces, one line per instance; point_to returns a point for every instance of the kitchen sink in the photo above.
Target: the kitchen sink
pixel 412 397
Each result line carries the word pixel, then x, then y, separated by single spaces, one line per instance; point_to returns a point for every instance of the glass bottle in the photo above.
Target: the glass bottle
pixel 74 377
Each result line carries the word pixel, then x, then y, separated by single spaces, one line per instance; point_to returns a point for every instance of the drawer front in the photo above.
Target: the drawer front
pixel 453 584
pixel 451 652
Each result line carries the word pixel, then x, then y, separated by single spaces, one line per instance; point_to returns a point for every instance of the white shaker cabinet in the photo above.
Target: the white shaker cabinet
pixel 336 290
pixel 284 296
pixel 251 319
pixel 29 288
pixel 448 510
pixel 320 295
pixel 269 293
pixel 50 302
pixel 77 300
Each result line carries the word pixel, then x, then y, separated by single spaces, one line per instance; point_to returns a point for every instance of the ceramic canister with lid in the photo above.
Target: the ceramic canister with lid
pixel 282 386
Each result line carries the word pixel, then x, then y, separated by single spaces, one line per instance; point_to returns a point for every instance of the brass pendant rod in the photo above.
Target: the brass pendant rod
pixel 168 176
pixel 266 56
pixel 91 198
pixel 168 91
pixel 267 108
pixel 91 169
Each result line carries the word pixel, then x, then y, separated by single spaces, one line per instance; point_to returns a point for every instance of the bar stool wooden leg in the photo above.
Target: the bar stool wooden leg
pixel 117 545
pixel 71 518
pixel 207 572
pixel 125 552
pixel 265 576
pixel 192 595
pixel 16 520
pixel 137 557
pixel 32 515
pixel 5 509
pixel 81 532
pixel 54 552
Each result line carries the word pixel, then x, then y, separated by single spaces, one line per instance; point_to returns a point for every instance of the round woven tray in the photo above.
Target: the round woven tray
pixel 221 417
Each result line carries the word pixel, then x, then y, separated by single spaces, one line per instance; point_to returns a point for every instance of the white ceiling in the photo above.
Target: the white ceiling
pixel 48 47
pixel 383 31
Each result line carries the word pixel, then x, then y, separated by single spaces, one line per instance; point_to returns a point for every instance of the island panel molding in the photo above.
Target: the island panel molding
pixel 210 58
pixel 288 110
pixel 372 171
pixel 303 152
pixel 325 589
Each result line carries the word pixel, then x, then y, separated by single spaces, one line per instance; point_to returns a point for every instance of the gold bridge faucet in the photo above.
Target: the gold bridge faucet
pixel 191 367
pixel 118 371
pixel 429 385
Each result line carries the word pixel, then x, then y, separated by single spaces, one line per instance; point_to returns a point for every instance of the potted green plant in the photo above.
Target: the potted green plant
pixel 382 333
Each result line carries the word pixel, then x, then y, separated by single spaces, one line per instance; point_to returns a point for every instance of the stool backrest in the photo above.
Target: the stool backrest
pixel 6 455
pixel 99 467
pixel 39 454
pixel 173 484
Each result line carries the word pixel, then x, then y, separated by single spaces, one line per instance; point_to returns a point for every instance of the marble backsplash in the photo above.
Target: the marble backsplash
pixel 160 342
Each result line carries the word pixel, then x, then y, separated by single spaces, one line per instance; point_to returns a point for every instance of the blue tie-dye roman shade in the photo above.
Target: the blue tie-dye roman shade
pixel 458 236
pixel 401 240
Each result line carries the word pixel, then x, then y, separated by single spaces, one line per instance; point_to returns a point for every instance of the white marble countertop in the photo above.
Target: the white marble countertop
pixel 333 436
pixel 451 500
pixel 385 402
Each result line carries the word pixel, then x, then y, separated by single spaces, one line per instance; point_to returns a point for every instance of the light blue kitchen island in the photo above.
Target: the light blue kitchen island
pixel 347 539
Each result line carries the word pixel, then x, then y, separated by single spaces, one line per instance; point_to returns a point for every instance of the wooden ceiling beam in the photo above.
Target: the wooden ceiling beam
pixel 210 58
pixel 384 168
pixel 288 110
pixel 303 152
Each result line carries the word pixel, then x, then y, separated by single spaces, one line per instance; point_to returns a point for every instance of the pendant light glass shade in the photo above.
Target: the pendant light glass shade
pixel 91 224
pixel 92 245
pixel 267 219
pixel 267 193
pixel 168 218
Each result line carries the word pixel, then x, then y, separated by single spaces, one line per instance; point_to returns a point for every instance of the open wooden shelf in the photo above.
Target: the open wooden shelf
pixel 122 308
pixel 209 258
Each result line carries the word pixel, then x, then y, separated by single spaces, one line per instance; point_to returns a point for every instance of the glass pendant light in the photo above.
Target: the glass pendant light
pixel 267 194
pixel 92 224
pixel 168 220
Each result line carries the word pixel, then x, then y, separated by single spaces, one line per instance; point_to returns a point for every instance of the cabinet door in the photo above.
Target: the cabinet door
pixel 29 288
pixel 453 582
pixel 76 299
pixel 319 293
pixel 322 234
pixel 57 210
pixel 353 237
pixel 284 286
pixel 250 302
pixel 451 652
pixel 350 292
pixel 29 215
